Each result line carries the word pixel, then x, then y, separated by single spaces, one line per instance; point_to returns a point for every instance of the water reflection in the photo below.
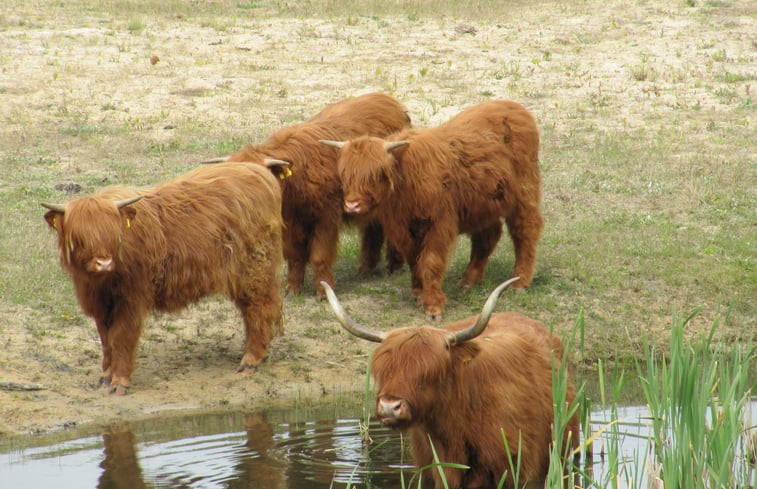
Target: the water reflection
pixel 210 451
pixel 120 465
pixel 260 467
pixel 630 426
pixel 274 449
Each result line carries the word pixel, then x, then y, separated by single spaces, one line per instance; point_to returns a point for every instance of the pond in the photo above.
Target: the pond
pixel 295 448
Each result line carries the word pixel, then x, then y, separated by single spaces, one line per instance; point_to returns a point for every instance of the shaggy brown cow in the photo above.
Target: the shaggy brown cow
pixel 129 252
pixel 427 186
pixel 461 386
pixel 312 194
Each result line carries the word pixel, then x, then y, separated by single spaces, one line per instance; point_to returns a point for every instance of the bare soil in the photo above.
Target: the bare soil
pixel 231 77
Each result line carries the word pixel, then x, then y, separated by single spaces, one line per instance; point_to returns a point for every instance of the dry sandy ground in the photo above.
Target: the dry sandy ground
pixel 247 76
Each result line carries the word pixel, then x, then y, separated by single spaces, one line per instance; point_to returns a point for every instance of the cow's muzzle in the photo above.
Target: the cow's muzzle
pixel 353 207
pixel 392 411
pixel 101 265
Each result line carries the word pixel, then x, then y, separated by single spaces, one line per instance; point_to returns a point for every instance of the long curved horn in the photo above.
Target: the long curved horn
pixel 388 146
pixel 220 159
pixel 483 318
pixel 54 207
pixel 335 144
pixel 269 162
pixel 125 202
pixel 347 322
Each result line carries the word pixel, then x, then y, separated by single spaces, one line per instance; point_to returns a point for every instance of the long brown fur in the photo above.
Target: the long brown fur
pixel 312 195
pixel 462 396
pixel 462 177
pixel 216 229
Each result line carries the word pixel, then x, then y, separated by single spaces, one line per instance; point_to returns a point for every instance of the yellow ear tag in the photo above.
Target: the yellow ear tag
pixel 287 173
pixel 55 221
pixel 128 223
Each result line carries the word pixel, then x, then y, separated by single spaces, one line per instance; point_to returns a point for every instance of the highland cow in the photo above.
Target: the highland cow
pixel 427 186
pixel 311 192
pixel 214 230
pixel 461 388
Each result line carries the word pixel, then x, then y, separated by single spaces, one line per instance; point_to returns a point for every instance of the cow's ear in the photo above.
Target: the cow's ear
pixel 128 213
pixel 54 219
pixel 467 351
pixel 390 146
pixel 280 168
pixel 396 148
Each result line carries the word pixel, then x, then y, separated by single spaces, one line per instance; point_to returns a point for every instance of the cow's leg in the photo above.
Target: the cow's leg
pixel 475 479
pixel 296 243
pixel 323 253
pixel 482 245
pixel 394 260
pixel 415 278
pixel 372 239
pixel 261 312
pixel 450 451
pixel 432 262
pixel 422 455
pixel 107 374
pixel 525 226
pixel 123 335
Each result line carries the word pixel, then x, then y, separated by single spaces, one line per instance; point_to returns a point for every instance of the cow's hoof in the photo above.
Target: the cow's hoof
pixel 521 284
pixel 117 390
pixel 246 369
pixel 103 382
pixel 292 290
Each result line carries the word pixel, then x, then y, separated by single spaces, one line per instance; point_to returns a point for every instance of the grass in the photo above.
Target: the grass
pixel 655 213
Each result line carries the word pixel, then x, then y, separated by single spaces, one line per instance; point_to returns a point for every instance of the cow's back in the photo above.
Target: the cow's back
pixel 376 114
pixel 217 222
pixel 478 165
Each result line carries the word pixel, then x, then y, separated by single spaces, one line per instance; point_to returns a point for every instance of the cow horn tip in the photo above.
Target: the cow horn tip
pixel 271 162
pixel 219 159
pixel 129 201
pixel 389 146
pixel 53 207
pixel 335 144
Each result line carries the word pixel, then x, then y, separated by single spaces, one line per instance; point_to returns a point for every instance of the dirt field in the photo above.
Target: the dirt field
pixel 596 64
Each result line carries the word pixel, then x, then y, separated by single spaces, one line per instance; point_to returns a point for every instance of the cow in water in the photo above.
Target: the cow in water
pixel 312 194
pixel 427 186
pixel 216 229
pixel 465 385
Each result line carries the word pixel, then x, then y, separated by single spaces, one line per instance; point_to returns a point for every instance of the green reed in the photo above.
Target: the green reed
pixel 697 400
pixel 560 460
pixel 697 397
